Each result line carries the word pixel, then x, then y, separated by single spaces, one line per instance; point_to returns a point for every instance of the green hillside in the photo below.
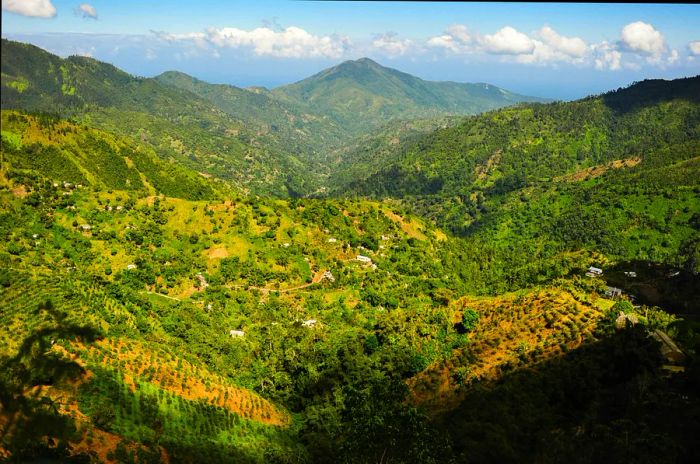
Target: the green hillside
pixel 175 123
pixel 508 149
pixel 73 154
pixel 279 123
pixel 528 186
pixel 344 270
pixel 361 95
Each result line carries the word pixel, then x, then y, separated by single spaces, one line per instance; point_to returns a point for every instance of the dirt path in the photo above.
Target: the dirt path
pixel 318 277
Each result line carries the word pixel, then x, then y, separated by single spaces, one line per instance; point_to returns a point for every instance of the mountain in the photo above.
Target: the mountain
pixel 361 94
pixel 280 142
pixel 504 150
pixel 527 186
pixel 175 123
pixel 282 123
pixel 432 305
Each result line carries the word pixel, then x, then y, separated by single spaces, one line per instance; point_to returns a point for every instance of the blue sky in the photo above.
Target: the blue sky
pixel 556 50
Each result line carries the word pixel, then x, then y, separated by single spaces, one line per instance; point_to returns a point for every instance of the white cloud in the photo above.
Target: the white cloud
pixel 390 45
pixel 553 47
pixel 35 8
pixel 673 57
pixel 456 39
pixel 446 41
pixel 694 48
pixel 641 37
pixel 87 10
pixel 507 41
pixel 460 33
pixel 573 47
pixel 200 39
pixel 607 56
pixel 292 42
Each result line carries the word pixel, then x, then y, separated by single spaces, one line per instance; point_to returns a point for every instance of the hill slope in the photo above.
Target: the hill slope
pixel 362 94
pixel 176 123
pixel 278 122
pixel 510 148
pixel 66 152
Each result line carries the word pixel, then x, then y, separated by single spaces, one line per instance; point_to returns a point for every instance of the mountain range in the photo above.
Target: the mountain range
pixel 263 141
pixel 362 266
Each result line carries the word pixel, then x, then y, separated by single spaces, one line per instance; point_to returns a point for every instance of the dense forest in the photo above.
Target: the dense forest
pixel 180 282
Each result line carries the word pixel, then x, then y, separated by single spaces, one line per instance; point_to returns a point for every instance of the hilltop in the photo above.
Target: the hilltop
pixel 362 95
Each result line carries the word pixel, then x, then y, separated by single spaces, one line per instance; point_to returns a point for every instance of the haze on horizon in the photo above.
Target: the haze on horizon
pixel 562 51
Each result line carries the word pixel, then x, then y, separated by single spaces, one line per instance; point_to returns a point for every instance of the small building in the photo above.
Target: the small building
pixel 86 227
pixel 613 292
pixel 594 272
pixel 364 259
pixel 332 240
pixel 130 267
pixel 236 333
pixel 328 275
pixel 630 274
pixel 309 323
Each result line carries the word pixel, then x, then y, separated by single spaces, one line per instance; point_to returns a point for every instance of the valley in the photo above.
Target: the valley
pixel 362 266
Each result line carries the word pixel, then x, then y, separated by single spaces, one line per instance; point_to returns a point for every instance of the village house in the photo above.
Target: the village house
pixel 613 292
pixel 594 272
pixel 364 259
pixel 309 323
pixel 328 275
pixel 236 333
pixel 130 267
pixel 630 274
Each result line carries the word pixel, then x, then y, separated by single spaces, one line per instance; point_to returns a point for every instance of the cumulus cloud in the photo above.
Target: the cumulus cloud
pixel 607 56
pixel 551 47
pixel 291 42
pixel 391 45
pixel 200 39
pixel 35 8
pixel 87 11
pixel 456 39
pixel 643 38
pixel 694 48
pixel 508 41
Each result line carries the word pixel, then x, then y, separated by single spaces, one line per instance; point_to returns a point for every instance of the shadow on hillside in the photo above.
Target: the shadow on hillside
pixel 604 402
pixel 31 425
pixel 651 92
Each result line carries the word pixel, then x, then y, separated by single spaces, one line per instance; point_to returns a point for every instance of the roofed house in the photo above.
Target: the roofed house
pixel 613 292
pixel 364 259
pixel 594 272
pixel 237 333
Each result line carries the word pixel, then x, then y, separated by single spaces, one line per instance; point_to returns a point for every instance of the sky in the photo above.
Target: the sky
pixel 560 50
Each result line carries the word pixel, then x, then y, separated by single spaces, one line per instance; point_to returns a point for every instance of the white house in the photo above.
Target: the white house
pixel 236 333
pixel 594 272
pixel 364 259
